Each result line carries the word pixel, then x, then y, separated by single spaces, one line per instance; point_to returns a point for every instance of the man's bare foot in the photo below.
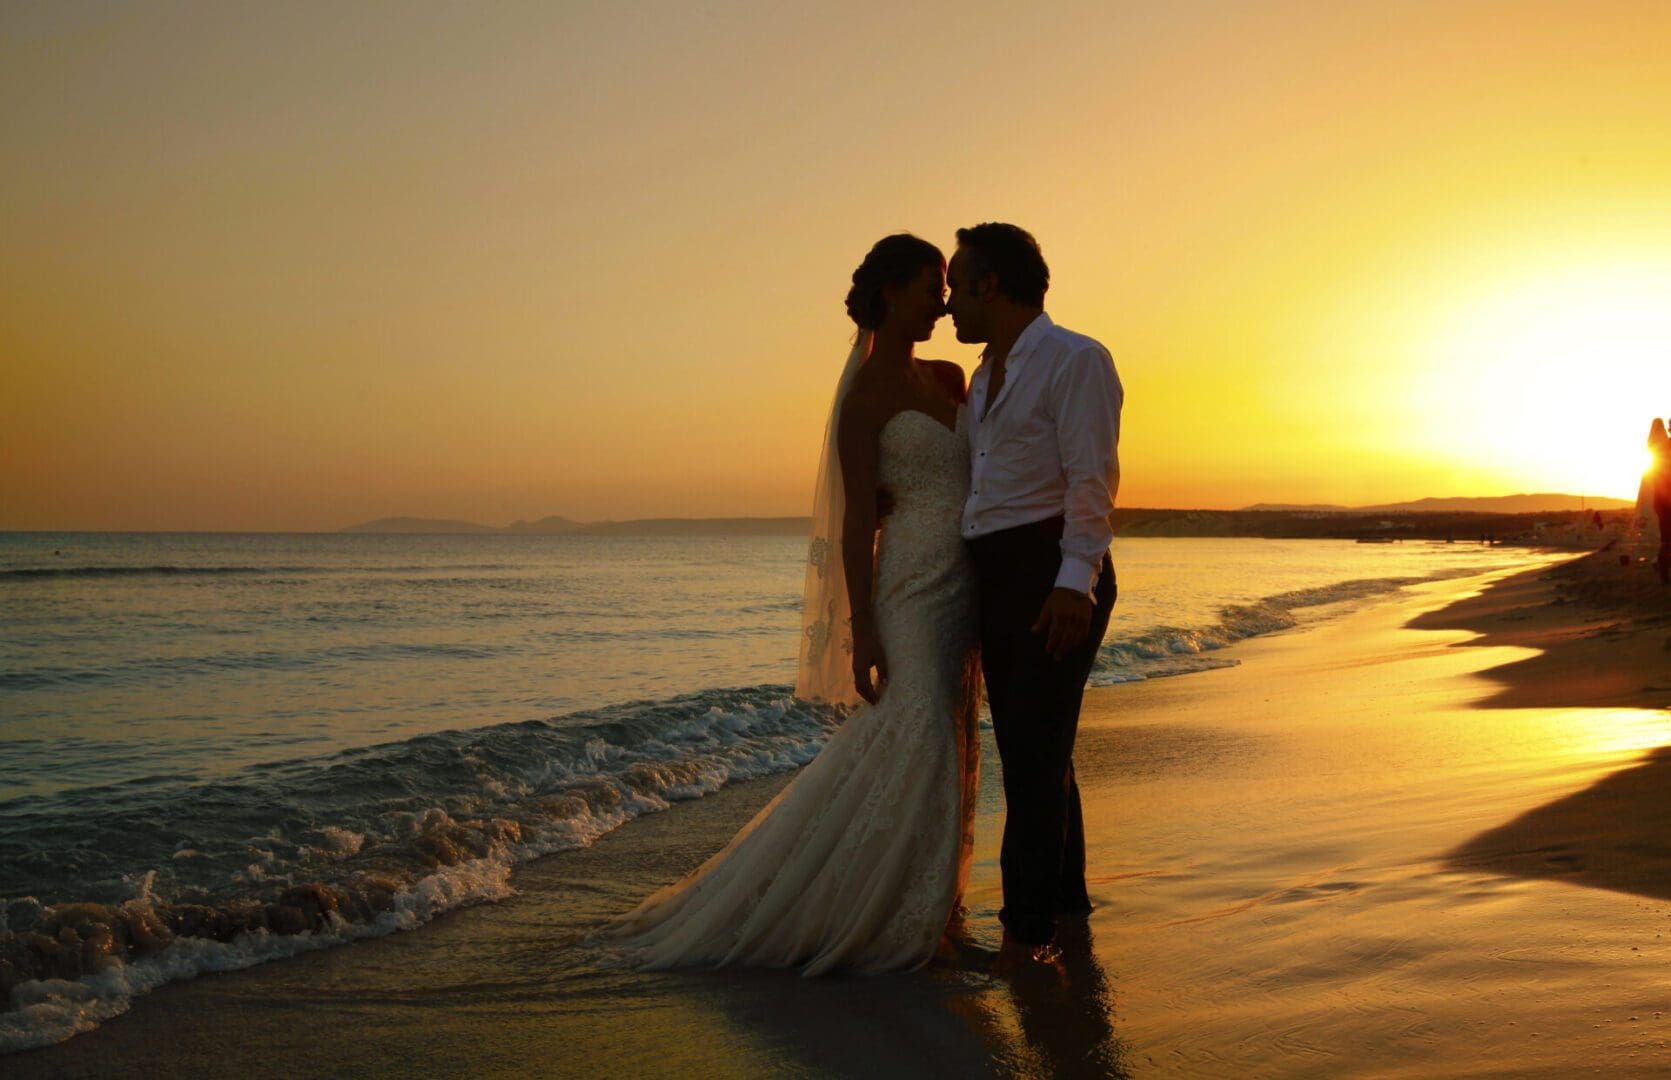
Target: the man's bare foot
pixel 1016 957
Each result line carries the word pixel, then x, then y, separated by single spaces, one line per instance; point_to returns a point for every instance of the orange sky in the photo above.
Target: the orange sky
pixel 291 267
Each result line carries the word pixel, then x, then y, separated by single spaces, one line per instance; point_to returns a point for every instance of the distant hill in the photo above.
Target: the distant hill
pixel 430 526
pixel 545 526
pixel 561 526
pixel 1295 508
pixel 784 526
pixel 1496 504
pixel 1311 523
pixel 1439 518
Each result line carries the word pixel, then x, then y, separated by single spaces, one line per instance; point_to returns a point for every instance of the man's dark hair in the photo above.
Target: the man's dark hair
pixel 1010 253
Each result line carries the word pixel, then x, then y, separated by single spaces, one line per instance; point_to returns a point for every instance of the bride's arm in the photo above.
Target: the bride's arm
pixel 856 443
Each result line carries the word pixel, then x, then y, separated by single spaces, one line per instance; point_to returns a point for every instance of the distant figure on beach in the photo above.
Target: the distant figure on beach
pixel 1658 482
pixel 860 863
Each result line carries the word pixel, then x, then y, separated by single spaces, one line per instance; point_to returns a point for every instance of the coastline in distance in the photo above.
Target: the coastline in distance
pixel 1503 516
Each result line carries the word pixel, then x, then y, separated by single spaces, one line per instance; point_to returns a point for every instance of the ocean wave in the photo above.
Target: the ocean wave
pixel 1162 651
pixel 96 959
pixel 172 670
pixel 27 573
pixel 168 884
pixel 774 607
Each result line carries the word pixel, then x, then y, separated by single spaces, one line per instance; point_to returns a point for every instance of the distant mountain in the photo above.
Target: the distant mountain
pixel 1497 504
pixel 1508 504
pixel 545 526
pixel 784 526
pixel 562 526
pixel 1267 519
pixel 1457 526
pixel 1295 508
pixel 418 525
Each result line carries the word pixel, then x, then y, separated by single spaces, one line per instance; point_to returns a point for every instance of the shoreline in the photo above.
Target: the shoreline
pixel 1312 863
pixel 1602 632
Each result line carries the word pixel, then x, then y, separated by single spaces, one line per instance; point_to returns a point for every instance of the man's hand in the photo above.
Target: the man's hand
pixel 867 654
pixel 1065 620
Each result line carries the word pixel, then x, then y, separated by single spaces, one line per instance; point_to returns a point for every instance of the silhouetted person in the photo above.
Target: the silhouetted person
pixel 1043 427
pixel 1659 445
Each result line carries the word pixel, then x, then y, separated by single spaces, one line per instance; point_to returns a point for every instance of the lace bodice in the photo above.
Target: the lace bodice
pixel 924 465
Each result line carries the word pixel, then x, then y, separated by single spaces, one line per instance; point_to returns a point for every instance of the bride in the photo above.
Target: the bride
pixel 860 862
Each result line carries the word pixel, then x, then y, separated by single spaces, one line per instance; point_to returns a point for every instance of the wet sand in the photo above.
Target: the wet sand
pixel 1395 843
pixel 1369 856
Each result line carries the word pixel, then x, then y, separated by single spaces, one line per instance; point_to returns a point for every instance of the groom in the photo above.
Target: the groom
pixel 1044 427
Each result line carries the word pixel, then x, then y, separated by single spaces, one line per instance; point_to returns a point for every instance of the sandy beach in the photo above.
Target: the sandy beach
pixel 1427 837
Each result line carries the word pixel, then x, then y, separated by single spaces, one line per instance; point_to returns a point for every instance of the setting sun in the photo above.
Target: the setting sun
pixel 1554 379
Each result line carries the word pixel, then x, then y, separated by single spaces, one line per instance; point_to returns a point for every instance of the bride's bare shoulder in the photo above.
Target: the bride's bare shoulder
pixel 950 374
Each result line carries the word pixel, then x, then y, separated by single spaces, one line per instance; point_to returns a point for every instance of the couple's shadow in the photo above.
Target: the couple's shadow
pixel 954 1018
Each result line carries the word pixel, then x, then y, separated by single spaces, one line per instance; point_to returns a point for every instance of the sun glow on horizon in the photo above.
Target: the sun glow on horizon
pixel 1554 379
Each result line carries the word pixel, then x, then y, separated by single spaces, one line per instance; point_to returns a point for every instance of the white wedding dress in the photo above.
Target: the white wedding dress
pixel 861 861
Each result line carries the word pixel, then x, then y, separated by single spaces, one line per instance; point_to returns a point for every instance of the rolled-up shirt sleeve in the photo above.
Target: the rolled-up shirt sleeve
pixel 1086 397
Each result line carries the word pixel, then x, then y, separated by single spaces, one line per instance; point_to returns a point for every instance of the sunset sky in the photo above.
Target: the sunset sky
pixel 296 266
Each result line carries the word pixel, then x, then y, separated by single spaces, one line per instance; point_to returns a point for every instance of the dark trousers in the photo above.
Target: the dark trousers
pixel 1035 716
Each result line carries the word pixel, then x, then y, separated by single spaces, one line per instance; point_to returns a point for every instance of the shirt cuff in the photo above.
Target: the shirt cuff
pixel 1077 575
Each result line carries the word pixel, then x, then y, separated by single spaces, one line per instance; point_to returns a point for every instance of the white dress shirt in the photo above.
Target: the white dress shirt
pixel 1049 445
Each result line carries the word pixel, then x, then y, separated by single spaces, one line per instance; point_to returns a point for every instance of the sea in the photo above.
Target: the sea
pixel 218 750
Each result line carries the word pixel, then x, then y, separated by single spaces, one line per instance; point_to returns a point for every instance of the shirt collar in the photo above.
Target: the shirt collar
pixel 1029 338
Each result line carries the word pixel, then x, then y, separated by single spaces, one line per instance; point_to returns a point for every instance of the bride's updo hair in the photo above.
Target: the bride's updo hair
pixel 895 260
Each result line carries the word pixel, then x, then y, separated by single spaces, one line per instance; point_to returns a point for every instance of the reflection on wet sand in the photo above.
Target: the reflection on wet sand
pixel 1052 1019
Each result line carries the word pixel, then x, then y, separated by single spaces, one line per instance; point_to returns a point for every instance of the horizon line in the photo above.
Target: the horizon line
pixel 1255 508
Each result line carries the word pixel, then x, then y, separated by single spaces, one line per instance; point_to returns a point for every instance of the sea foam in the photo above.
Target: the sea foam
pixel 421 827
